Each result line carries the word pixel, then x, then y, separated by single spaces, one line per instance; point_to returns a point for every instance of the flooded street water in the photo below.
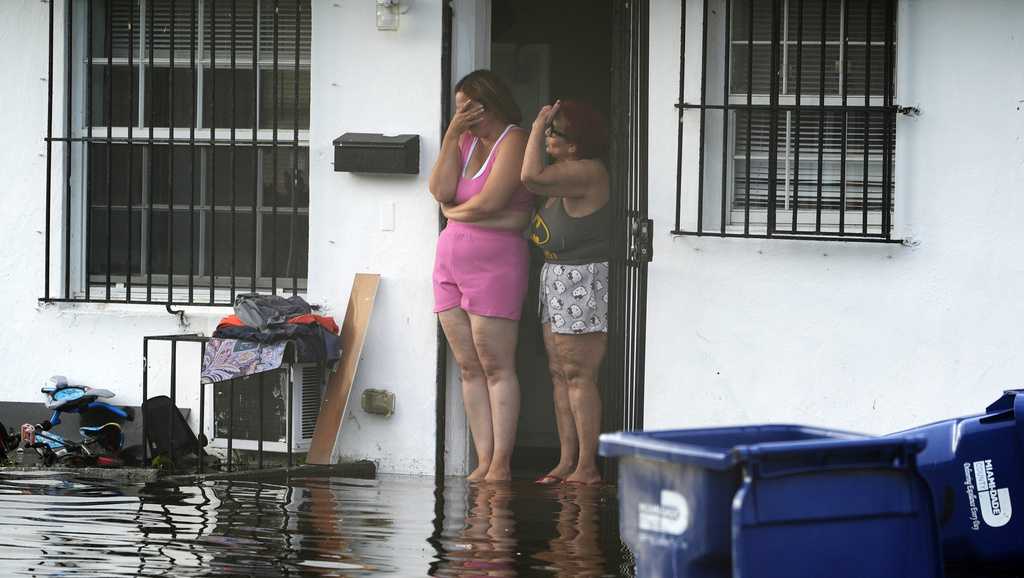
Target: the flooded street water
pixel 57 525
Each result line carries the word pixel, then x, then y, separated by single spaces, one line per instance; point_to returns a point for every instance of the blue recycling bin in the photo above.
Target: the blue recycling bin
pixel 773 500
pixel 975 467
pixel 842 509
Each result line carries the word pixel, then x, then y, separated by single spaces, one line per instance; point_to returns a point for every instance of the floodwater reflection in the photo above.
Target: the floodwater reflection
pixel 521 529
pixel 59 525
pixel 576 549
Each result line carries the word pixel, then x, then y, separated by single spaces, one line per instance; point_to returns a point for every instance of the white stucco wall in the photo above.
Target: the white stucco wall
pixel 857 336
pixel 389 82
pixel 364 81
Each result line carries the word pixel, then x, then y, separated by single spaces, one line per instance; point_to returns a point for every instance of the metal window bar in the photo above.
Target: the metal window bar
pixel 750 116
pixel 148 198
pixel 132 112
pixel 126 101
pixel 259 388
pixel 69 105
pixel 295 151
pixel 773 129
pixel 108 89
pixel 725 122
pixel 821 117
pixel 255 150
pixel 193 35
pixel 170 162
pixel 213 152
pixel 679 130
pixel 844 57
pixel 789 150
pixel 273 149
pixel 234 160
pixel 49 152
pixel 88 117
pixel 796 114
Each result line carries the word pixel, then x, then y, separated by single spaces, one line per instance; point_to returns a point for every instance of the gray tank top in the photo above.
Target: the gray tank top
pixel 572 240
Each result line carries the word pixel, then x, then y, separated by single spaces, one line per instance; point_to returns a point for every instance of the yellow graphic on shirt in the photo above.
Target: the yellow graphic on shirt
pixel 540 235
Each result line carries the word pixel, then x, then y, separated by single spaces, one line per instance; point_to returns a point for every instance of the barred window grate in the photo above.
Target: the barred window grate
pixel 186 149
pixel 795 121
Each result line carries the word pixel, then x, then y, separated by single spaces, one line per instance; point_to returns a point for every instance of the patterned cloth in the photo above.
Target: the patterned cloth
pixel 226 359
pixel 574 298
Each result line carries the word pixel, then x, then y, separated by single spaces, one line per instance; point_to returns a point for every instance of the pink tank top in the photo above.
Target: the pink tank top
pixel 470 185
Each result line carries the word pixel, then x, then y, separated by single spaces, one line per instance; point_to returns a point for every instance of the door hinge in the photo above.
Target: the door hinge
pixel 641 233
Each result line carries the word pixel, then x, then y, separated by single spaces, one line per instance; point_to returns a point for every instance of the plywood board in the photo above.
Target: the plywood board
pixel 353 335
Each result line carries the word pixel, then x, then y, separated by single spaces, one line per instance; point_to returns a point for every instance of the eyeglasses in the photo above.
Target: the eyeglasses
pixel 552 131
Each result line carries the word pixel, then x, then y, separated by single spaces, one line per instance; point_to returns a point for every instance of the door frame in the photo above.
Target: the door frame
pixel 466 46
pixel 632 244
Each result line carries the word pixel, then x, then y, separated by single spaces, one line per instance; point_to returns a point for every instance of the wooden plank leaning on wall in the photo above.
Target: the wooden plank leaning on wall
pixel 353 335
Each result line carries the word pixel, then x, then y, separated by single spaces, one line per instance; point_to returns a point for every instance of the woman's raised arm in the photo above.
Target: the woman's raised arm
pixel 573 179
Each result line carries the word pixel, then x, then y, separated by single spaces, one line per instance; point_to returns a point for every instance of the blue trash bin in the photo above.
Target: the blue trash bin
pixel 975 467
pixel 683 513
pixel 836 508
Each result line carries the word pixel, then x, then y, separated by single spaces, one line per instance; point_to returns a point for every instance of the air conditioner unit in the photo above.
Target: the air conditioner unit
pixel 307 381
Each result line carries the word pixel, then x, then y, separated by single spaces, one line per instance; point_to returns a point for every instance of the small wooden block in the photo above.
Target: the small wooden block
pixel 353 335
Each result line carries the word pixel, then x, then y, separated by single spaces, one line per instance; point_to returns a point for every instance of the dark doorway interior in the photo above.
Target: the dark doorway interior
pixel 576 37
pixel 546 51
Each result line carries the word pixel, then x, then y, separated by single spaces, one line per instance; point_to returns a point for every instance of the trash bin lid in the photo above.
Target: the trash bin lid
pixel 715 448
pixel 1009 406
pixel 1005 402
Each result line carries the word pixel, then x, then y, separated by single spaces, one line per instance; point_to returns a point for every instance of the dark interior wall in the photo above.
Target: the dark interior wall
pixel 578 32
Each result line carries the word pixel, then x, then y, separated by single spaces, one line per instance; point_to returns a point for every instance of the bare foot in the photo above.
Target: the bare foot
pixel 479 473
pixel 496 474
pixel 588 476
pixel 561 471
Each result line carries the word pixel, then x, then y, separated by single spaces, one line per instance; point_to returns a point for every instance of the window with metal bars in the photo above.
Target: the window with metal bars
pixel 794 127
pixel 186 147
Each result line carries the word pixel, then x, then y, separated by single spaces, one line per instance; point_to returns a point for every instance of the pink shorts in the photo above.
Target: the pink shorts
pixel 483 271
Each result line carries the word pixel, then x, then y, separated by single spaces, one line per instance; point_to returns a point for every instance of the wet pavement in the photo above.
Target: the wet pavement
pixel 63 525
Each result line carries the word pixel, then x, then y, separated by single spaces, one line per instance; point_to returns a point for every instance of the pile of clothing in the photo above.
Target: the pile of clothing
pixel 262 331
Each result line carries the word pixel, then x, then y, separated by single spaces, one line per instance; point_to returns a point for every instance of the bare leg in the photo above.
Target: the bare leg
pixel 495 341
pixel 581 358
pixel 475 398
pixel 568 443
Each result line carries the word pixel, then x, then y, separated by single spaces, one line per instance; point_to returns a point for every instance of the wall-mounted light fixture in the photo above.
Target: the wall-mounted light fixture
pixel 388 12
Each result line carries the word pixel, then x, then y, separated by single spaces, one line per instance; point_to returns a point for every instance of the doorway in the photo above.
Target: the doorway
pixel 546 51
pixel 592 50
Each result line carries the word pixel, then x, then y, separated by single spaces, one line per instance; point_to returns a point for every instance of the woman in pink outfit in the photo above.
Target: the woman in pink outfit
pixel 480 269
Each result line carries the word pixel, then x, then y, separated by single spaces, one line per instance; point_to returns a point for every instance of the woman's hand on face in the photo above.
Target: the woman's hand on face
pixel 466 116
pixel 546 115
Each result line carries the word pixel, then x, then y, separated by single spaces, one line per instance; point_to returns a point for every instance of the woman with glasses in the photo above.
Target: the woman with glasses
pixel 482 260
pixel 572 229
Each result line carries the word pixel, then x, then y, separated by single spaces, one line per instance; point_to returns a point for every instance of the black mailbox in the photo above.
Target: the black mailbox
pixel 360 152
